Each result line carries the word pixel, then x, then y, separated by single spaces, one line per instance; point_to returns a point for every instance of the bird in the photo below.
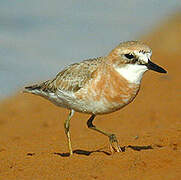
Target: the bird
pixel 99 86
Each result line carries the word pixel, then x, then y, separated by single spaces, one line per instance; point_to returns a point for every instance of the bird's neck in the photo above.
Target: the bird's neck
pixel 133 73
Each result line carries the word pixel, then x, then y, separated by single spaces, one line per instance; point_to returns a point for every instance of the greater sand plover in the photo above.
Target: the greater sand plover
pixel 99 85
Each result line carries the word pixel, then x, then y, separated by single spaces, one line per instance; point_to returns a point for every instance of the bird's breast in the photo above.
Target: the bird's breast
pixel 113 87
pixel 108 91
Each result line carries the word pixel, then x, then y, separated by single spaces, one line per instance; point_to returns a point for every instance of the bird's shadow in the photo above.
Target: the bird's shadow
pixel 88 153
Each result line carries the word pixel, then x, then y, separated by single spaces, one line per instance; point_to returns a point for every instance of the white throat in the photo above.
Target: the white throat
pixel 132 72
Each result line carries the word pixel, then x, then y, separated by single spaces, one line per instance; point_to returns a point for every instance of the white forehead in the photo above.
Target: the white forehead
pixel 144 56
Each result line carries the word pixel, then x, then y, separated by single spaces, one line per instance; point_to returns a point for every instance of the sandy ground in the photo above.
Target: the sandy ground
pixel 33 143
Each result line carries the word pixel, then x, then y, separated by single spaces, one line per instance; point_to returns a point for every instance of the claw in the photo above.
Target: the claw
pixel 114 146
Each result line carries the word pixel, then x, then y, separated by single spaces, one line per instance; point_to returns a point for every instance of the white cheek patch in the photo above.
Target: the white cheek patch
pixel 132 72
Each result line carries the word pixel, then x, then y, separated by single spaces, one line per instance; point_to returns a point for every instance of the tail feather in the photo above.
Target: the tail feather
pixel 34 89
pixel 44 87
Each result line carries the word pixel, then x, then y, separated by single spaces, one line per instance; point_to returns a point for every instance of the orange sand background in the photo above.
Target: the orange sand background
pixel 33 143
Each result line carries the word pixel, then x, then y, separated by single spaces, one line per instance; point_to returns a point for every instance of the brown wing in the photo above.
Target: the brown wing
pixel 71 78
pixel 76 75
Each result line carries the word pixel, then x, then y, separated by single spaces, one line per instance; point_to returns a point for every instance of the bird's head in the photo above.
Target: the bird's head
pixel 132 59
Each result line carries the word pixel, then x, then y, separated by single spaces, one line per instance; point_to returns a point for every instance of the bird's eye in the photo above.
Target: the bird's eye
pixel 129 56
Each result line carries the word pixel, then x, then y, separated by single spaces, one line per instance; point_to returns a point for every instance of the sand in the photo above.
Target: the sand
pixel 33 144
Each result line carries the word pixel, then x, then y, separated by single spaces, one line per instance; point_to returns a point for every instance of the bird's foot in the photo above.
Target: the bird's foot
pixel 114 146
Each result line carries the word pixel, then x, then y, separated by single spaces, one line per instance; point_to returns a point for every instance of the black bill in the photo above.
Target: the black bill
pixel 152 66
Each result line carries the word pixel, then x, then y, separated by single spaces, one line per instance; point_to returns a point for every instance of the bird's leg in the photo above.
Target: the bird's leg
pixel 67 127
pixel 114 146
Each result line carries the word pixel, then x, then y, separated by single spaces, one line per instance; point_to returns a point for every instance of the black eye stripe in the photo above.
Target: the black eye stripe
pixel 129 56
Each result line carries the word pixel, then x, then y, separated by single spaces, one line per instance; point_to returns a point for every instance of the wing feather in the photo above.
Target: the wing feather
pixel 71 79
pixel 76 75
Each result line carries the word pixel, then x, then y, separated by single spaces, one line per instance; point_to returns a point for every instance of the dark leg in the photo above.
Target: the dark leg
pixel 114 146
